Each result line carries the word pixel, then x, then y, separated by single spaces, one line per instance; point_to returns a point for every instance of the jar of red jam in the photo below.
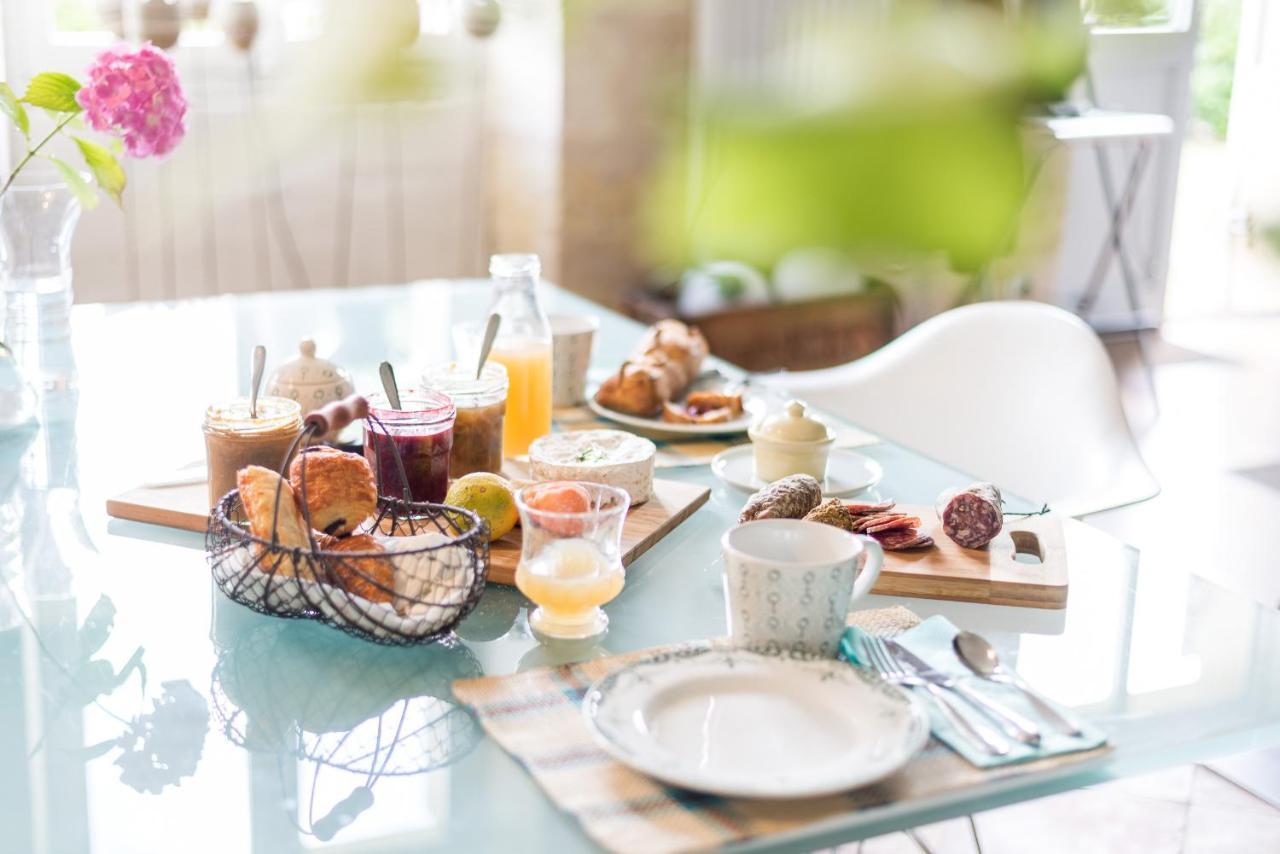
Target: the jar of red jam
pixel 421 432
pixel 481 407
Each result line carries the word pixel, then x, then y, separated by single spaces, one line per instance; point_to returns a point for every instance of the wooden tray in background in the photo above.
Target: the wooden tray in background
pixel 990 575
pixel 186 507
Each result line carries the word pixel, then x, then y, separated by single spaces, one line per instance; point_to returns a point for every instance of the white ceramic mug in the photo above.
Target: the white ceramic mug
pixel 571 339
pixel 789 583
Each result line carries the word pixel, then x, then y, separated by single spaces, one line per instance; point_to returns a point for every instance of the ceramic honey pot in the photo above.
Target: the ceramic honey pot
pixel 310 380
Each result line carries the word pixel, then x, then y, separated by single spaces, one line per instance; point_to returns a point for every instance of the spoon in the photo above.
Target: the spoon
pixel 259 362
pixel 981 657
pixel 389 384
pixel 486 344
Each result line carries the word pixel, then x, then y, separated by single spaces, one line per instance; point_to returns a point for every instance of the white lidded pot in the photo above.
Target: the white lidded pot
pixel 311 381
pixel 791 442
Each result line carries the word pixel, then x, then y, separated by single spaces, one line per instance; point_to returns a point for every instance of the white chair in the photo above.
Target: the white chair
pixel 1018 393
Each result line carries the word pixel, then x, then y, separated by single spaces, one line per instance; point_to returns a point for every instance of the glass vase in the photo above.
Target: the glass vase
pixel 37 223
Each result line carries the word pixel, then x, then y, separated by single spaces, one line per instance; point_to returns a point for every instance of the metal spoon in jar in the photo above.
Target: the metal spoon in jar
pixel 981 657
pixel 255 383
pixel 486 344
pixel 389 384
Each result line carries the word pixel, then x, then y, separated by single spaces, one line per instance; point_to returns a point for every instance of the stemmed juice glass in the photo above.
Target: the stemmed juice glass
pixel 571 560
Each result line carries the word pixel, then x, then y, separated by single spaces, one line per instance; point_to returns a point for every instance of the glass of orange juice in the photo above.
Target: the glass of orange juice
pixel 571 559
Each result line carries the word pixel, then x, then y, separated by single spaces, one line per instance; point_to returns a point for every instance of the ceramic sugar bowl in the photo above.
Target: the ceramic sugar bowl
pixel 311 381
pixel 791 442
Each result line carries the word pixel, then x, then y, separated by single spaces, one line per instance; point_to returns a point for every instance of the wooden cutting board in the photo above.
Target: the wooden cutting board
pixel 992 574
pixel 186 507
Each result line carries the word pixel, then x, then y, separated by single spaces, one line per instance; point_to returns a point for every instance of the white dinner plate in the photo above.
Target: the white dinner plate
pixel 753 408
pixel 739 724
pixel 848 472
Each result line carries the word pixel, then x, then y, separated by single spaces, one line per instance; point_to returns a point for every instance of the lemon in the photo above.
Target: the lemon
pixel 488 495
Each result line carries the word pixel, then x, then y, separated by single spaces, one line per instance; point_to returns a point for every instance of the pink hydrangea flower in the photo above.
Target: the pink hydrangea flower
pixel 136 95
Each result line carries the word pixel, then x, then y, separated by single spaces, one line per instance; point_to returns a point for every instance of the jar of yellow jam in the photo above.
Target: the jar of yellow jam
pixel 481 408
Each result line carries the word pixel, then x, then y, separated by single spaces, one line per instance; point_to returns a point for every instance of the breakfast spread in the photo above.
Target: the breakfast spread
pixel 235 438
pixel 417 437
pixel 791 442
pixel 481 407
pixel 789 498
pixel 662 366
pixel 609 457
pixel 973 516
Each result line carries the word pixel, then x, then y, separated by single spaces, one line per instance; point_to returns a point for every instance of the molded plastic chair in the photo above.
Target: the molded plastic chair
pixel 1018 393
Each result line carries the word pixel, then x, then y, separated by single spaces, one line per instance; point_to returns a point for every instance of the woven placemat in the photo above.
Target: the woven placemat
pixel 536 716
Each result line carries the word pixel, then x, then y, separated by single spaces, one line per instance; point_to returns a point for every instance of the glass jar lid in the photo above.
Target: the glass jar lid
pixel 275 414
pixel 419 408
pixel 458 381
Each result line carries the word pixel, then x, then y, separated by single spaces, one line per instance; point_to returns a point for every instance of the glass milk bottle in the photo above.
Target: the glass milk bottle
pixel 523 346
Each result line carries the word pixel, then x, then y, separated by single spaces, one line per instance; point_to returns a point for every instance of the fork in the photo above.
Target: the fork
pixel 891 670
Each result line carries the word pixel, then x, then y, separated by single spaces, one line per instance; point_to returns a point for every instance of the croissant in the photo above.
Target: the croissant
pixel 665 362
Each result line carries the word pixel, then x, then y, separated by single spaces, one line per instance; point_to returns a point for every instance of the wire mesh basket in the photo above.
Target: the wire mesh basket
pixel 428 576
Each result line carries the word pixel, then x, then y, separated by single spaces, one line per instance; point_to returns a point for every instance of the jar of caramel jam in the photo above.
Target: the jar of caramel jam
pixel 234 439
pixel 481 406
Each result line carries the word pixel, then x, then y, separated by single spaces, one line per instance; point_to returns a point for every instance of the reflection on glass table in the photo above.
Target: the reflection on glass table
pixel 305 697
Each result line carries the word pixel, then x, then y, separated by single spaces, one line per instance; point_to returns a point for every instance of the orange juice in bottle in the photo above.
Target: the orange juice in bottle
pixel 523 346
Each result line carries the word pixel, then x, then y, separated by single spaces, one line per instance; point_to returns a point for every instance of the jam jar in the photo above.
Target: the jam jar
pixel 420 434
pixel 481 406
pixel 233 439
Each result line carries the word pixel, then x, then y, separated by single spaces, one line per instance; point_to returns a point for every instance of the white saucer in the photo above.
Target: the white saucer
pixel 740 724
pixel 848 472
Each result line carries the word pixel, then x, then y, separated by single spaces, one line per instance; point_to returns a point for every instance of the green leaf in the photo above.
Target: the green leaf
pixel 104 166
pixel 76 183
pixel 53 90
pixel 14 110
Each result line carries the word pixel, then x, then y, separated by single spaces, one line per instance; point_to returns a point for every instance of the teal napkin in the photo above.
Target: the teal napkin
pixel 931 640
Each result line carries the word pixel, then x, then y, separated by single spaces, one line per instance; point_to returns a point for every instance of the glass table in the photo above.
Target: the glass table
pixel 141 711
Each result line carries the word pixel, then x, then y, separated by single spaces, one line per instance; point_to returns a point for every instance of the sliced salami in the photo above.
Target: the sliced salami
pixel 972 517
pixel 861 523
pixel 893 540
pixel 866 509
pixel 894 524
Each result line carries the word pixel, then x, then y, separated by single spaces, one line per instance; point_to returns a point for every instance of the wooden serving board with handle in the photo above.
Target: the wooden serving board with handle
pixel 992 574
pixel 186 506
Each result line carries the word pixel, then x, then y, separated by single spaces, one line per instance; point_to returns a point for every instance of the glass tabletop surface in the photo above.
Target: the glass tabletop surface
pixel 142 711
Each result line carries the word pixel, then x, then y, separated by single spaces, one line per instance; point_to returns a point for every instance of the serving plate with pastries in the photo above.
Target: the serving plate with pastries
pixel 661 388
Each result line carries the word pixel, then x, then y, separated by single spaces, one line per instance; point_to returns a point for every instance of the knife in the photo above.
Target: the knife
pixel 1011 723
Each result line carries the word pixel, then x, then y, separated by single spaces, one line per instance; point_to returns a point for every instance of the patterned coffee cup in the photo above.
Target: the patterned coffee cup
pixel 789 584
pixel 571 339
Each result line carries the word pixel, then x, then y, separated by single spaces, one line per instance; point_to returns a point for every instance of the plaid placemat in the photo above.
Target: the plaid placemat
pixel 536 716
pixel 676 452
